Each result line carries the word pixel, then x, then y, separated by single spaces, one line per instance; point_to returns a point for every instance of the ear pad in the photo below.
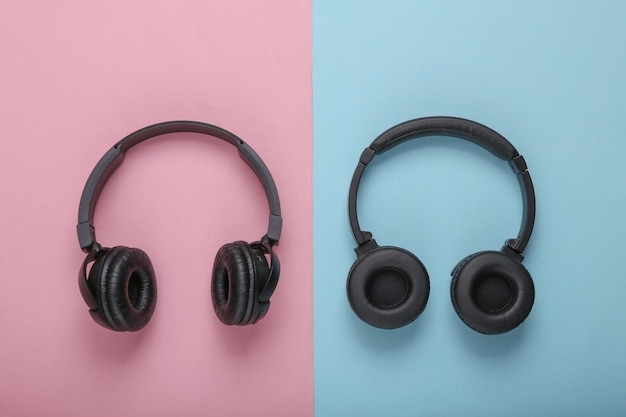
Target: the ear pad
pixel 492 292
pixel 239 274
pixel 123 284
pixel 388 287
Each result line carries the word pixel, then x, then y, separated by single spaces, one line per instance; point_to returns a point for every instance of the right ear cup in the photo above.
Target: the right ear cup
pixel 239 273
pixel 388 287
pixel 492 292
pixel 122 282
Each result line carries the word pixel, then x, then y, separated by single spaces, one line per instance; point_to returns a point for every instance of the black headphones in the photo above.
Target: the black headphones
pixel 491 291
pixel 121 288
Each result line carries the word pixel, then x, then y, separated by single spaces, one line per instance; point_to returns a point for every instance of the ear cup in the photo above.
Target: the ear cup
pixel 123 284
pixel 237 275
pixel 388 287
pixel 492 292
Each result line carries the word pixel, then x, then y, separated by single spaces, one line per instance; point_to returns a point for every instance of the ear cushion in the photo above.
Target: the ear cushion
pixel 233 286
pixel 492 292
pixel 388 287
pixel 123 284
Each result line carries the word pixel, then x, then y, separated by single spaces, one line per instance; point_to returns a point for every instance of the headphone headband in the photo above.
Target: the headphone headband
pixel 114 157
pixel 458 128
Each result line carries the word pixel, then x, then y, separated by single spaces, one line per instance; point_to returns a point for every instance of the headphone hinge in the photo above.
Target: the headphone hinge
pixel 274 228
pixel 368 245
pixel 86 237
pixel 518 165
pixel 509 248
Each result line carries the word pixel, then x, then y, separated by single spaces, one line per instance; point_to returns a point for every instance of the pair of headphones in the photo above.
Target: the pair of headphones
pixel 491 291
pixel 120 288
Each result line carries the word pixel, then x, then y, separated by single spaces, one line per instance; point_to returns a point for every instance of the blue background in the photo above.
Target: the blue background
pixel 551 78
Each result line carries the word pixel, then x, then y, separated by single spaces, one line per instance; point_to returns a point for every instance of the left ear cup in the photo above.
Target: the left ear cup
pixel 239 274
pixel 123 285
pixel 388 287
pixel 492 292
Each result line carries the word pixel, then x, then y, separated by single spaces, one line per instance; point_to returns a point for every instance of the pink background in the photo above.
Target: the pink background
pixel 75 77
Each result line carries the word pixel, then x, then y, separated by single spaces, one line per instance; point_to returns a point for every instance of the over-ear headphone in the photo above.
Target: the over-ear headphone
pixel 121 288
pixel 491 291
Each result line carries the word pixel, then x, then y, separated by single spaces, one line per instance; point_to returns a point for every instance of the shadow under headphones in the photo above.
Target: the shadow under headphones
pixel 491 291
pixel 121 288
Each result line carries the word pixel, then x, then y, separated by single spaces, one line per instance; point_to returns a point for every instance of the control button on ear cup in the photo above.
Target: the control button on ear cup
pixel 388 287
pixel 122 281
pixel 492 292
pixel 233 285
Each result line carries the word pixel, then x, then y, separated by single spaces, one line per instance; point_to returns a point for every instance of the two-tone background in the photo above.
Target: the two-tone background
pixel 309 85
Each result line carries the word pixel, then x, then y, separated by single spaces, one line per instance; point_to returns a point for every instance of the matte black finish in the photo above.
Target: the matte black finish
pixel 490 273
pixel 528 210
pixel 267 291
pixel 453 127
pixel 388 287
pixel 446 126
pixel 491 291
pixel 89 298
pixel 121 289
pixel 114 157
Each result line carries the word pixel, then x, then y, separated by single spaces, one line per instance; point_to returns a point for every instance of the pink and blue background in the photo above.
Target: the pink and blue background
pixel 309 85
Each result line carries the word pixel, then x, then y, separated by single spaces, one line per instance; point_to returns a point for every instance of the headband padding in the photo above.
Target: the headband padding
pixel 446 126
pixel 123 284
pixel 388 287
pixel 492 292
pixel 233 286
